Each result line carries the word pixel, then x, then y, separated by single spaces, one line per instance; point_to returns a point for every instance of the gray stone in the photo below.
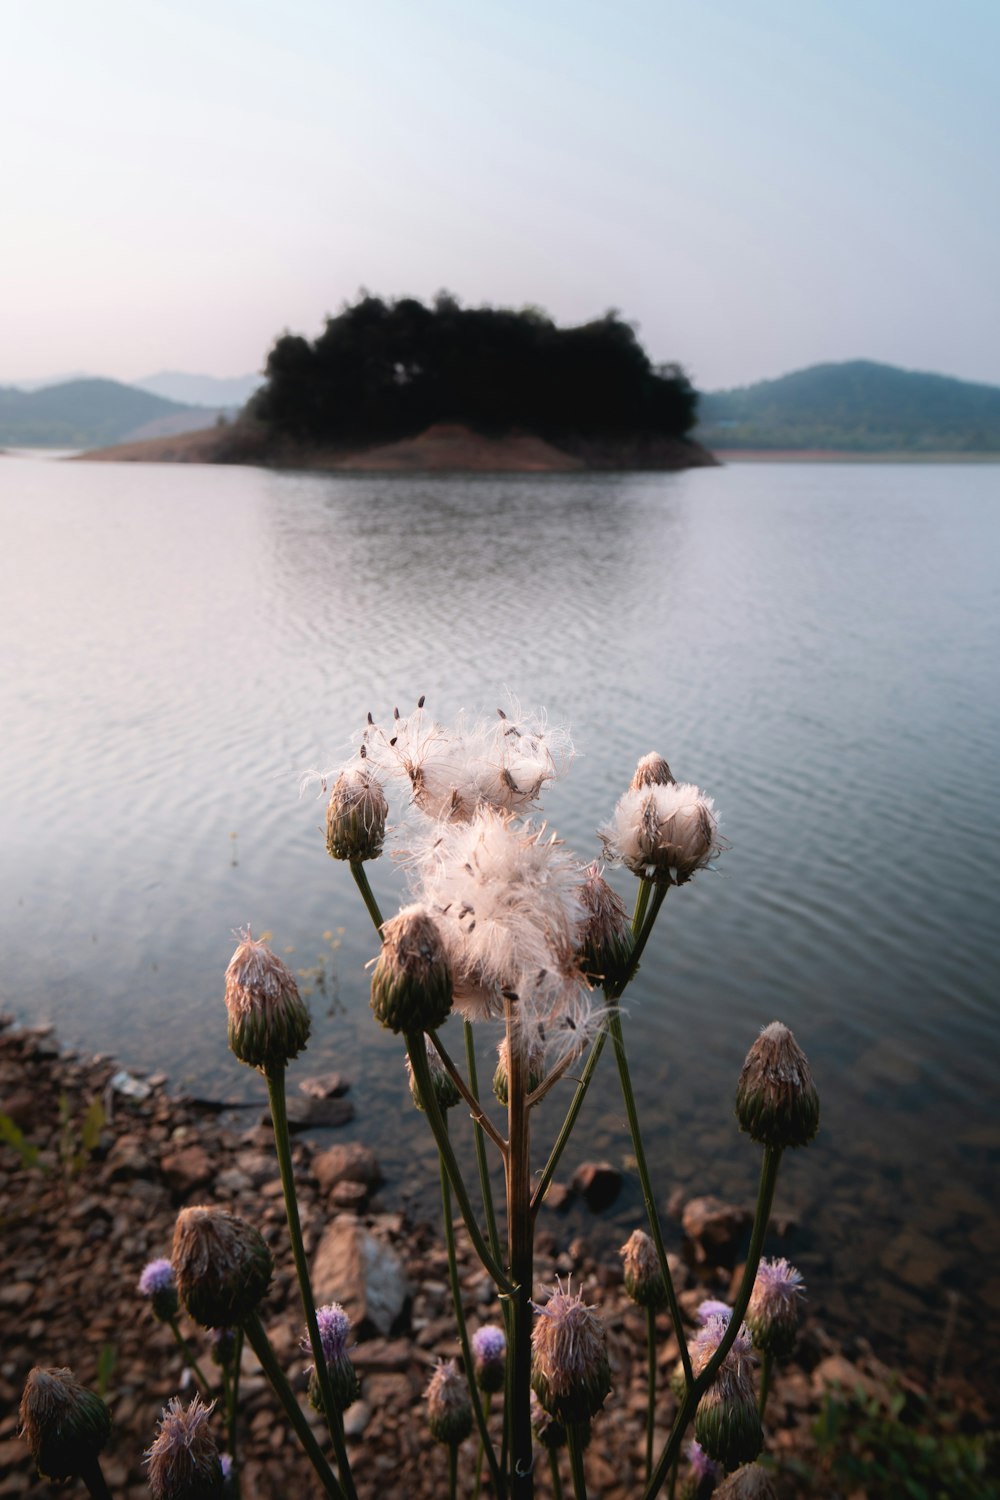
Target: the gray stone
pixel 352 1162
pixel 366 1276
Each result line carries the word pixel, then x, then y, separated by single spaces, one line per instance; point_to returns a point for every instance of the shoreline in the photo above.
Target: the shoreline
pixel 77 1240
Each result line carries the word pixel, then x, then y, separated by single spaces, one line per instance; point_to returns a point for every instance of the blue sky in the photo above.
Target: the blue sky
pixel 759 184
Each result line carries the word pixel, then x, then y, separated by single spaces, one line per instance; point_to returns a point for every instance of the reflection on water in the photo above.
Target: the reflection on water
pixel 814 645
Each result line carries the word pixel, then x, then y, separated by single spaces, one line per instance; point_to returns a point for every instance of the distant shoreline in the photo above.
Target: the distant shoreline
pixel 845 456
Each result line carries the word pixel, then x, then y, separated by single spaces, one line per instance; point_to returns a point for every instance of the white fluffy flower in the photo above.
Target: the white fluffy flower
pixel 663 831
pixel 506 898
pixel 503 763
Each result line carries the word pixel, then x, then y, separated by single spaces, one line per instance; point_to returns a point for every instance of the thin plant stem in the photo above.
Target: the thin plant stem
pixel 275 1074
pixel 232 1413
pixel 766 1366
pixel 487 1404
pixel 651 1386
pixel 520 1255
pixel 481 1162
pixel 367 896
pixel 695 1391
pixel 674 1468
pixel 557 1490
pixel 615 1024
pixel 463 1333
pixel 417 1052
pixel 261 1345
pixel 190 1361
pixel 576 1460
pixel 93 1477
pixel 452 1471
pixel 481 1120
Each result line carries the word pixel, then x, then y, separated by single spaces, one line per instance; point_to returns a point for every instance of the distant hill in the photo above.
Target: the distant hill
pixel 201 390
pixel 859 407
pixel 91 413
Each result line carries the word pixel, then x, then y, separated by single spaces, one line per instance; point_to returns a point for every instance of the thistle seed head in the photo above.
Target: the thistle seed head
pixel 652 770
pixel 411 981
pixel 184 1462
pixel 606 933
pixel 773 1313
pixel 268 1019
pixel 445 1089
pixel 355 815
pixel 449 1411
pixel 63 1423
pixel 776 1100
pixel 222 1264
pixel 664 832
pixel 570 1373
pixel 643 1276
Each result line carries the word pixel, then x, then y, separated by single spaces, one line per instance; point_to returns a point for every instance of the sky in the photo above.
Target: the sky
pixel 759 185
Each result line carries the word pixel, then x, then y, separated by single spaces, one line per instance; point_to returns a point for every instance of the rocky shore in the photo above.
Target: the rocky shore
pixel 89 1193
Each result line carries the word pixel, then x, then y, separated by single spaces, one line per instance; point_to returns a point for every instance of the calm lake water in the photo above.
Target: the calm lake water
pixel 817 646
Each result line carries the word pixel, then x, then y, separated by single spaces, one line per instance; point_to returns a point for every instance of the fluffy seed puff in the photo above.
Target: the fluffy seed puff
pixel 184 1461
pixel 268 1019
pixel 507 899
pixel 570 1373
pixel 727 1423
pixel 776 1100
pixel 63 1423
pixel 663 831
pixel 449 1410
pixel 504 763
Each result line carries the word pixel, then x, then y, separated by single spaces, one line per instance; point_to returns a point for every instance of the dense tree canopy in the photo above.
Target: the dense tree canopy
pixel 381 370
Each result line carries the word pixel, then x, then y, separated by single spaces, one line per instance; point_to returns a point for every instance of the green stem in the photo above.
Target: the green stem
pixel 463 1334
pixel 482 1121
pixel 520 1254
pixel 615 1024
pixel 261 1346
pixel 576 1104
pixel 643 921
pixel 766 1365
pixel 576 1460
pixel 93 1477
pixel 674 1468
pixel 557 1492
pixel 487 1403
pixel 481 1161
pixel 361 880
pixel 190 1361
pixel 695 1391
pixel 417 1052
pixel 275 1074
pixel 231 1416
pixel 650 1386
pixel 452 1470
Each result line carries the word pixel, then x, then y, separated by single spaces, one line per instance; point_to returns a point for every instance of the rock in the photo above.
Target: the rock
pixel 130 1157
pixel 187 1169
pixel 714 1230
pixel 598 1183
pixel 348 1195
pixel 366 1276
pixel 558 1197
pixel 314 1114
pixel 325 1086
pixel 348 1163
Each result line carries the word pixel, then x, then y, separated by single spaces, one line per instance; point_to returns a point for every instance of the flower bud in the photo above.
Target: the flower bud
pixel 569 1361
pixel 652 770
pixel 727 1423
pixel 268 1019
pixel 449 1411
pixel 334 1326
pixel 536 1069
pixel 749 1482
pixel 222 1346
pixel 158 1284
pixel 184 1460
pixel 63 1424
pixel 489 1358
pixel 773 1313
pixel 355 816
pixel 606 937
pixel 776 1100
pixel 643 1276
pixel 445 1089
pixel 411 981
pixel 223 1266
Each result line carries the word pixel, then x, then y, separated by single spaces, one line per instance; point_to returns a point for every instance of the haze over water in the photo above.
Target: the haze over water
pixel 814 645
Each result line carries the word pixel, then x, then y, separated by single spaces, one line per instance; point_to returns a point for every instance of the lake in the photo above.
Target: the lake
pixel 816 645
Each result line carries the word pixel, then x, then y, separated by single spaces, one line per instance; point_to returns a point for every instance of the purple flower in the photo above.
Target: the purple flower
pixel 157 1276
pixel 711 1308
pixel 184 1459
pixel 489 1357
pixel 773 1313
pixel 703 1467
pixel 334 1326
pixel 226 1463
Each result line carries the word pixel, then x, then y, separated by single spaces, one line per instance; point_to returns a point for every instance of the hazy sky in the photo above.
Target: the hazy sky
pixel 759 184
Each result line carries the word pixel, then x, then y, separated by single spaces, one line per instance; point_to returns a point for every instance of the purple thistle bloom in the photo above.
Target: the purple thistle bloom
pixel 334 1325
pixel 157 1276
pixel 711 1308
pixel 489 1357
pixel 226 1463
pixel 703 1467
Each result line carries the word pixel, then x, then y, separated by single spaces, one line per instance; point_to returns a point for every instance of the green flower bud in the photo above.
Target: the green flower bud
pixel 411 981
pixel 222 1264
pixel 449 1410
pixel 63 1424
pixel 536 1070
pixel 643 1276
pixel 445 1089
pixel 268 1019
pixel 776 1100
pixel 355 816
pixel 606 940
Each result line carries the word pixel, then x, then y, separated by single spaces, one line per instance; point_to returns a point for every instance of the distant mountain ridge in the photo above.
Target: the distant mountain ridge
pixel 90 413
pixel 858 406
pixel 201 390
